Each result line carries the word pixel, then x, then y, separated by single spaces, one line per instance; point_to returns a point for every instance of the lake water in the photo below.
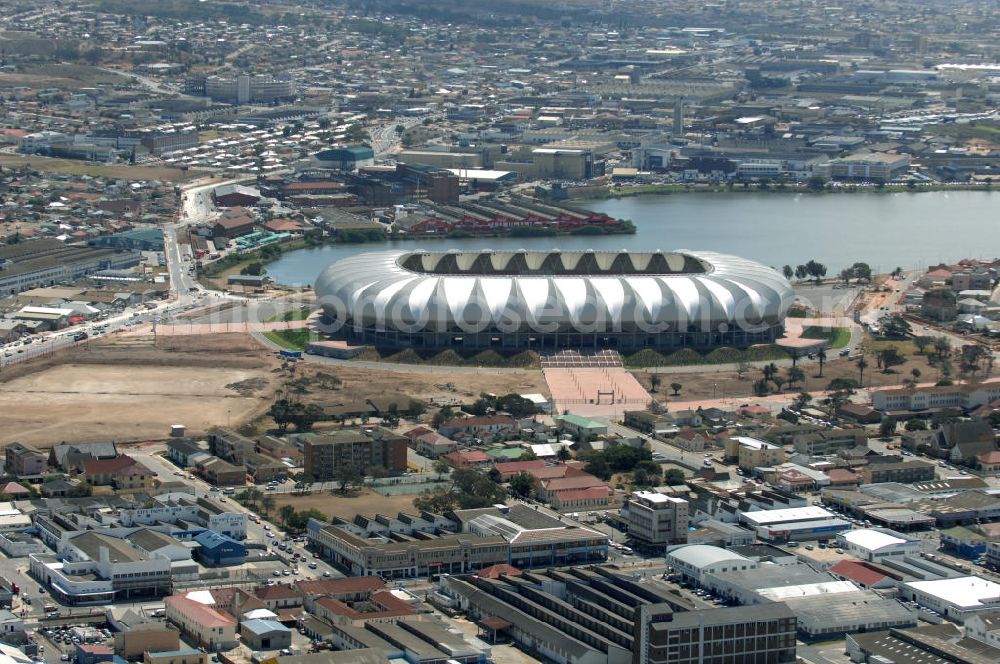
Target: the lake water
pixel 908 230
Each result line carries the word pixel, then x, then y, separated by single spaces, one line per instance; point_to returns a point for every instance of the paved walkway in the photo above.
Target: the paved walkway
pixel 595 392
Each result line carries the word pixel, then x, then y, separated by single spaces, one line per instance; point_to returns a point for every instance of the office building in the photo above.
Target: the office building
pixel 656 519
pixel 751 453
pixel 904 472
pixel 592 615
pixel 245 89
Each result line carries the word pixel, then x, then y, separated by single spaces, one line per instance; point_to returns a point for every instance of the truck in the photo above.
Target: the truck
pixel 290 354
pixel 79 336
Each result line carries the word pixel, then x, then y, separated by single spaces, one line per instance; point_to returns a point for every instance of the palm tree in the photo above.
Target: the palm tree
pixel 821 356
pixel 795 375
pixel 862 365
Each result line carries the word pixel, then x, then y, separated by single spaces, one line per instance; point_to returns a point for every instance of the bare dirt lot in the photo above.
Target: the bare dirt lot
pixel 708 382
pixel 364 502
pixel 127 389
pixel 432 383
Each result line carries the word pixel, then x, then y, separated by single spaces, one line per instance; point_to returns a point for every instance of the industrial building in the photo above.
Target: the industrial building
pixel 956 598
pixel 876 543
pixel 554 299
pixel 794 523
pixel 47 261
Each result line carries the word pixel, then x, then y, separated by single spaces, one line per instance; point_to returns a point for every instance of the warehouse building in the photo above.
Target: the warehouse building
pixel 47 261
pixel 794 523
pixel 695 561
pixel 957 598
pixel 876 543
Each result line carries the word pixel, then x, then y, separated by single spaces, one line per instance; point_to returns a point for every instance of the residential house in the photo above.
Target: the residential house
pixel 467 458
pixel 479 426
pixel 122 473
pixel 581 427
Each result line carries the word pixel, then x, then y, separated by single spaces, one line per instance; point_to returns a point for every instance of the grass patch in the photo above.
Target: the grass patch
pixel 301 313
pixel 838 337
pixel 92 169
pixel 452 357
pixel 688 356
pixel 292 339
pixel 872 346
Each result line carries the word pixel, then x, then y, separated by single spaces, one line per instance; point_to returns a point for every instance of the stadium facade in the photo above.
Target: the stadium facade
pixel 554 299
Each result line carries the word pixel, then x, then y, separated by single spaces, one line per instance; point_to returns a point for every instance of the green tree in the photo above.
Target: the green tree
pixel 347 475
pixel 267 504
pixel 285 513
pixel 788 271
pixel 915 424
pixel 862 365
pixel 821 356
pixel 921 343
pixel 887 426
pixel 654 381
pixel 674 477
pixel 816 270
pixel 281 412
pixel 802 400
pixel 441 467
pixel 795 375
pixel 521 485
pixel 888 358
pixel 676 387
pixel 443 416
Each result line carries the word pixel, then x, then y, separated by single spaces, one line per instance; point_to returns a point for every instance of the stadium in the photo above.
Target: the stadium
pixel 553 299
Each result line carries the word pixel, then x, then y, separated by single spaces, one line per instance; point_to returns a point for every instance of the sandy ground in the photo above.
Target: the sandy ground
pixel 364 502
pixel 130 390
pixel 428 383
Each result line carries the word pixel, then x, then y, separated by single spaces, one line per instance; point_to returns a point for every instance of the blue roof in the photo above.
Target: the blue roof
pixel 211 539
pixel 260 626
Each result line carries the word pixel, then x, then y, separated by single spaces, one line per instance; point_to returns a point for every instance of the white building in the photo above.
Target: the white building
pixel 654 518
pixel 985 627
pixel 794 523
pixel 957 599
pixel 694 561
pixel 181 507
pixel 876 543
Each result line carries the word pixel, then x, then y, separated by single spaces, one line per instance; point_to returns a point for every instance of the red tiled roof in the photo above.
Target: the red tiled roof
pixel 494 571
pixel 584 481
pixel 388 606
pixel 990 457
pixel 857 571
pixel 204 615
pixel 590 493
pixel 340 586
pixel 514 467
pixel 102 466
pixel 277 592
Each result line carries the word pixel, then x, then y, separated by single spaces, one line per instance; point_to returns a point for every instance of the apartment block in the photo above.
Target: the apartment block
pixel 363 449
pixel 22 460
